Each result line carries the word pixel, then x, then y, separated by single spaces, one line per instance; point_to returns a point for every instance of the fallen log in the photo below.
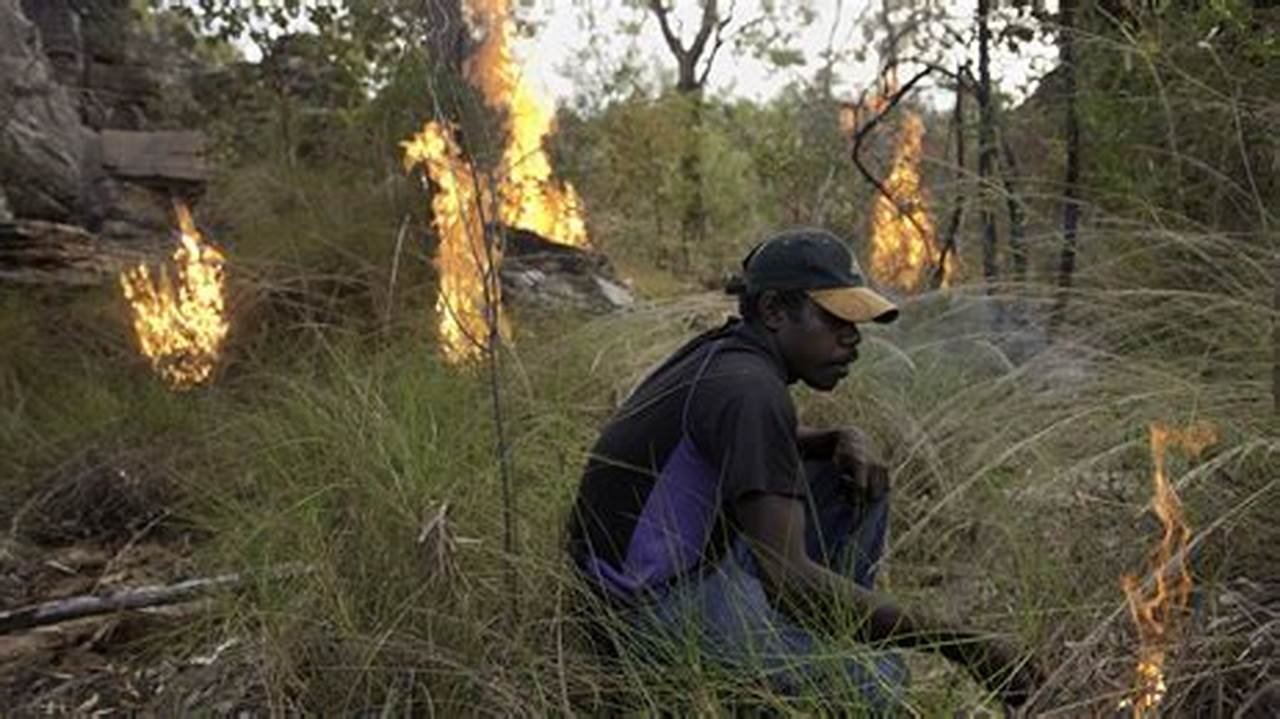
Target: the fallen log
pixel 87 605
pixel 153 595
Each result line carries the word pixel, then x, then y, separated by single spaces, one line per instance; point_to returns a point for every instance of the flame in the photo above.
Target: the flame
pixel 903 240
pixel 903 247
pixel 1154 612
pixel 181 323
pixel 530 198
pixel 460 205
pixel 520 193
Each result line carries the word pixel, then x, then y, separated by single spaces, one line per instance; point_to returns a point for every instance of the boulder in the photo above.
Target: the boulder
pixel 43 145
pixel 538 272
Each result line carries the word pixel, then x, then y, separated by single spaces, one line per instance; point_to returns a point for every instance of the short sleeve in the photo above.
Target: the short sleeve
pixel 742 419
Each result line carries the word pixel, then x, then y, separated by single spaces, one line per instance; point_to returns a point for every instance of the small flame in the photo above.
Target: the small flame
pixel 904 246
pixel 527 197
pixel 1154 612
pixel 181 323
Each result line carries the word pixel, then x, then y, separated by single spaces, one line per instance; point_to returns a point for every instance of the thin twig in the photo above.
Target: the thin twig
pixel 395 271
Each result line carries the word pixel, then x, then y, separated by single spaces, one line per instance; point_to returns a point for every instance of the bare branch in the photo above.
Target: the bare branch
pixel 715 47
pixel 862 132
pixel 664 21
pixel 710 21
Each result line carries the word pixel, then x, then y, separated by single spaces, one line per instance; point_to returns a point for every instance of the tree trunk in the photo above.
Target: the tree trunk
pixel 948 250
pixel 689 83
pixel 986 144
pixel 1017 223
pixel 1071 188
pixel 693 225
pixel 1275 336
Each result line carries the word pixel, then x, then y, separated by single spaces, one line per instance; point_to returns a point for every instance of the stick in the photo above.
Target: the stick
pixel 395 270
pixel 153 595
pixel 88 605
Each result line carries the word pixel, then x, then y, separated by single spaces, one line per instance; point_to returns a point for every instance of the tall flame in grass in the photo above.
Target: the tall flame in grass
pixel 1155 611
pixel 904 248
pixel 903 240
pixel 461 205
pixel 521 193
pixel 179 316
pixel 529 198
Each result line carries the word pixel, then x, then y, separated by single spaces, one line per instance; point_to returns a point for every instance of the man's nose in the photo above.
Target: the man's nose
pixel 849 338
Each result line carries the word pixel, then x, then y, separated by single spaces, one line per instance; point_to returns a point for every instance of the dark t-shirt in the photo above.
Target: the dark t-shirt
pixel 714 423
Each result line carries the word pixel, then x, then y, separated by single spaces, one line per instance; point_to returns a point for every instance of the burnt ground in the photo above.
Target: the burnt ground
pixel 97 526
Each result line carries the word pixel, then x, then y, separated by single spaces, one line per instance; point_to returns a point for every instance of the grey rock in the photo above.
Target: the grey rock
pixel 39 252
pixel 544 274
pixel 58 24
pixel 616 294
pixel 173 156
pixel 42 142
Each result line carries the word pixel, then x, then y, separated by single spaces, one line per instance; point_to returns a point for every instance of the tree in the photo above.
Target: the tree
pixel 986 142
pixel 1071 181
pixel 693 66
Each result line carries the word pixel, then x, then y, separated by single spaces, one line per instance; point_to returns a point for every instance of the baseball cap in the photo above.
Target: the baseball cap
pixel 816 261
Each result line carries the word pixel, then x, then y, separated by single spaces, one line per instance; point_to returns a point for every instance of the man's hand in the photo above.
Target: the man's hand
pixel 854 455
pixel 1003 668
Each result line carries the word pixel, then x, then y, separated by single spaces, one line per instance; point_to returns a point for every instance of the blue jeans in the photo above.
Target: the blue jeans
pixel 725 614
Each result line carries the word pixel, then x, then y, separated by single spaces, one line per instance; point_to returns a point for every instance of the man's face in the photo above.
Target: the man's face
pixel 816 345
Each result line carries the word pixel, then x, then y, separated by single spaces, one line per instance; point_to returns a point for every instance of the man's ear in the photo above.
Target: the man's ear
pixel 772 313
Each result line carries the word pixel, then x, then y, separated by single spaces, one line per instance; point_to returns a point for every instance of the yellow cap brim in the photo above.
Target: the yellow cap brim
pixel 855 304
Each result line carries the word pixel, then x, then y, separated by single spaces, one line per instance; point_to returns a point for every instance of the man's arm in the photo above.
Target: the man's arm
pixel 816 443
pixel 817 597
pixel 853 453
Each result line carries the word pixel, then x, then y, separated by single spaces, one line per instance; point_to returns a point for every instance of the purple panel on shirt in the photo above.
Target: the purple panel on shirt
pixel 673 527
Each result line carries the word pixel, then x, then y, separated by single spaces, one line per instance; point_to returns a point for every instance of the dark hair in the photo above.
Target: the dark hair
pixel 792 301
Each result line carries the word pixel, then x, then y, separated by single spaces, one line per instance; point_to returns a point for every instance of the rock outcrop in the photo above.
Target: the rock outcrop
pixel 91 117
pixel 45 151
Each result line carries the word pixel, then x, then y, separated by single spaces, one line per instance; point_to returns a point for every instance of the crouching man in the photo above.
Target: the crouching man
pixel 707 512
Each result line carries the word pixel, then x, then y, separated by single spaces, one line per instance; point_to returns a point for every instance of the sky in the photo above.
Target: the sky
pixel 838 24
pixel 552 56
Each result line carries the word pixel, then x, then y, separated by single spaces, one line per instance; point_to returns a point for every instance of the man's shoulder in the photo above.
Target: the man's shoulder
pixel 743 378
pixel 745 366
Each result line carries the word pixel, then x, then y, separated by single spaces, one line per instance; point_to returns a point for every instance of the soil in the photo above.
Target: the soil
pixel 144 661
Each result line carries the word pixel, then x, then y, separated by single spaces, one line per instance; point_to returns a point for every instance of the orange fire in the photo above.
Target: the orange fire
pixel 530 198
pixel 181 322
pixel 903 241
pixel 461 205
pixel 521 189
pixel 1155 611
pixel 903 246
